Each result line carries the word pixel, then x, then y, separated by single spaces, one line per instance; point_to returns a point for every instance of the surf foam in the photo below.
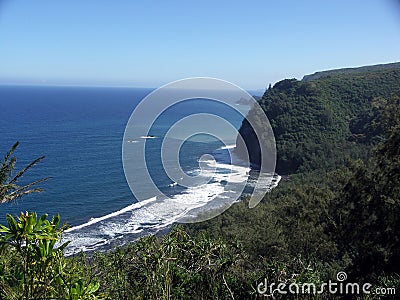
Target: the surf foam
pixel 152 215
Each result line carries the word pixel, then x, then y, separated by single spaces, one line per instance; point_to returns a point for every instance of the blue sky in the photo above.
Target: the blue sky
pixel 150 43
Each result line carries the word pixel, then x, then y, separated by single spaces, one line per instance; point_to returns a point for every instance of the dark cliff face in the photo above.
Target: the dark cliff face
pixel 255 142
pixel 247 142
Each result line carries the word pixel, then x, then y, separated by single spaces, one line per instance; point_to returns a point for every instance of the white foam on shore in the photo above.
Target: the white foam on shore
pixel 151 215
pixel 114 214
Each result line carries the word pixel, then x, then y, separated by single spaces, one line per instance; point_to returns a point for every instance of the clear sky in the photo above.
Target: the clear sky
pixel 149 43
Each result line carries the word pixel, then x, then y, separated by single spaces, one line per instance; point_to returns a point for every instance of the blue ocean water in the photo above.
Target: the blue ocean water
pixel 80 131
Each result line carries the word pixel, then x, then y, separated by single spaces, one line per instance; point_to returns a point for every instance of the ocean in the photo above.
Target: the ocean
pixel 80 131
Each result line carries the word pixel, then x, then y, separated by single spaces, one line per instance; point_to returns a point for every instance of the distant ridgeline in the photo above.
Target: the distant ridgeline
pixel 359 70
pixel 326 118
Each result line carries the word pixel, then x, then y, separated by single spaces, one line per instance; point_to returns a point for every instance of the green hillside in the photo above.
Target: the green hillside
pixel 337 210
pixel 320 123
pixel 352 71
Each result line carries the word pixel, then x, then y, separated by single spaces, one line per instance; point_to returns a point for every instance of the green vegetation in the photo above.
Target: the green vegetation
pixel 9 190
pixel 320 124
pixel 359 70
pixel 337 209
pixel 338 143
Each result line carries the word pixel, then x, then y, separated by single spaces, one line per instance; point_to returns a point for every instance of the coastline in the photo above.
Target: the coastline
pixel 156 216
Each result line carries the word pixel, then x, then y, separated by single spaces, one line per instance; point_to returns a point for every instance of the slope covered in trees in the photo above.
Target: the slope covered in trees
pixel 359 70
pixel 338 138
pixel 318 124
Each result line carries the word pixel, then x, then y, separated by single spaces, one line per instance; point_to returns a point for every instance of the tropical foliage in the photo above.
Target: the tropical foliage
pixel 9 190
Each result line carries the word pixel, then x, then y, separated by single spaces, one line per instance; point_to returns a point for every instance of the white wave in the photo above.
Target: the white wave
pixel 153 214
pixel 227 147
pixel 208 161
pixel 237 171
pixel 148 137
pixel 197 196
pixel 124 210
pixel 238 174
pixel 269 182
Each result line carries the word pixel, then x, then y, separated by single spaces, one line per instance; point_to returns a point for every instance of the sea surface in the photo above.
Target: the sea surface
pixel 80 132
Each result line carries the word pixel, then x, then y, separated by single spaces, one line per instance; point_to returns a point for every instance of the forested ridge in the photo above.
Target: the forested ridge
pixel 319 123
pixel 337 210
pixel 356 70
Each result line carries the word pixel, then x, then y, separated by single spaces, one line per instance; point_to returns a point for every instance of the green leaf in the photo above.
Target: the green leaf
pixel 11 223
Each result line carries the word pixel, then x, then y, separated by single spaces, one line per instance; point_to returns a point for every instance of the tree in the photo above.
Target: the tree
pixel 9 190
pixel 367 211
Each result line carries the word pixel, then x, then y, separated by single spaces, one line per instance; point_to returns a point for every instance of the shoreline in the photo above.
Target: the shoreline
pixel 154 215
